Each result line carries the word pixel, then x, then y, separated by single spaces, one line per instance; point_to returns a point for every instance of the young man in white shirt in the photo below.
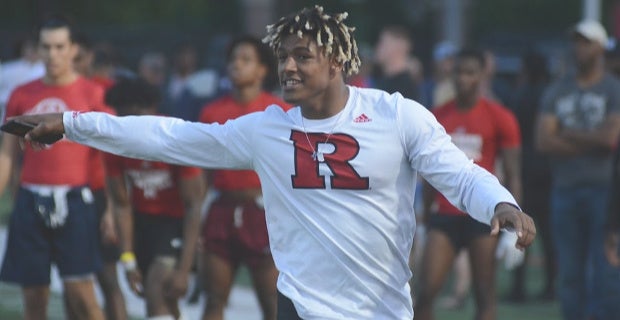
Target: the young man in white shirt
pixel 338 172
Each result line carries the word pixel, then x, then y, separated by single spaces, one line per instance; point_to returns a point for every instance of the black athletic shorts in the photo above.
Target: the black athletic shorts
pixel 156 236
pixel 461 229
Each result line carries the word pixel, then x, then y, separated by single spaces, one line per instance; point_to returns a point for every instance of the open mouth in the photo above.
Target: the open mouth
pixel 290 83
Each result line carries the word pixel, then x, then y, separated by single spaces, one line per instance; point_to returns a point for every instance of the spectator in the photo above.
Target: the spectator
pixel 153 68
pixel 579 124
pixel 438 89
pixel 26 68
pixel 393 58
pixel 184 64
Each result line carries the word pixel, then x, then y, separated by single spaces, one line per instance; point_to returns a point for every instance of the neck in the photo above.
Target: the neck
pixel 328 104
pixel 65 78
pixel 246 94
pixel 466 102
pixel 395 66
pixel 588 74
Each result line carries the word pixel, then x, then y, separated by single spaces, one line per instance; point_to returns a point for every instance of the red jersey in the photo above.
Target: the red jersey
pixel 227 108
pixel 154 185
pixel 96 166
pixel 481 132
pixel 105 82
pixel 65 162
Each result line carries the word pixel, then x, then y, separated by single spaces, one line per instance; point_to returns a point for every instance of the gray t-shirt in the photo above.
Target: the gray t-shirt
pixel 582 109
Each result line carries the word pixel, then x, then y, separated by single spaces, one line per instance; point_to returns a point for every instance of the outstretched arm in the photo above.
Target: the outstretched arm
pixel 156 138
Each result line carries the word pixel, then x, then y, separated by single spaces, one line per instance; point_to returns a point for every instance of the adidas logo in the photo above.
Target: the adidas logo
pixel 362 118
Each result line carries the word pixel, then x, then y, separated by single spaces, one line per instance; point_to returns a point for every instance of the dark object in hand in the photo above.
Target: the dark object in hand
pixel 19 128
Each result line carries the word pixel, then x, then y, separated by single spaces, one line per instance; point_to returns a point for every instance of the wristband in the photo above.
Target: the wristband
pixel 128 260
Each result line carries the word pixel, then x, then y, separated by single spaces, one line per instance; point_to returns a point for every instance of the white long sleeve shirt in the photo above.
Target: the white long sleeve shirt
pixel 340 227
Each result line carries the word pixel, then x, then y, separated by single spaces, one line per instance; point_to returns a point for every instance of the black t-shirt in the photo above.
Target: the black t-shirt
pixel 401 82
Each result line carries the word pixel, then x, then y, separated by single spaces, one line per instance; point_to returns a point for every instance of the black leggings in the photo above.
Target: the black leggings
pixel 286 309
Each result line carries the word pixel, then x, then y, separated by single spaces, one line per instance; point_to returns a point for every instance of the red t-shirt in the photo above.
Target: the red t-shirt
pixel 97 168
pixel 65 162
pixel 154 185
pixel 227 108
pixel 105 82
pixel 481 132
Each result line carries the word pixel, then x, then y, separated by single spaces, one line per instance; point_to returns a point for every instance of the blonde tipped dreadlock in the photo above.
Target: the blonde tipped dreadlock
pixel 329 31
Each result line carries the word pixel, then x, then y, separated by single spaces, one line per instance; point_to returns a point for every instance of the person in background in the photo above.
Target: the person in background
pixel 153 68
pixel 158 211
pixel 578 128
pixel 53 218
pixel 184 64
pixel 485 131
pixel 393 60
pixel 27 67
pixel 235 231
pixel 438 89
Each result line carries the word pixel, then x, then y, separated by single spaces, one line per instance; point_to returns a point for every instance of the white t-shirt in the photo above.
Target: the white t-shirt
pixel 15 73
pixel 340 228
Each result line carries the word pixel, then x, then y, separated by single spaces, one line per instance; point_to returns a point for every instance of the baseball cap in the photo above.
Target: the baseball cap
pixel 591 30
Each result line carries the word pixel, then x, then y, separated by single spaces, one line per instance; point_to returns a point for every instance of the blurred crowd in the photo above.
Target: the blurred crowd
pixel 554 142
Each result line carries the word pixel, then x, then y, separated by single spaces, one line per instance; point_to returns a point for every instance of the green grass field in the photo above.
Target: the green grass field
pixel 10 297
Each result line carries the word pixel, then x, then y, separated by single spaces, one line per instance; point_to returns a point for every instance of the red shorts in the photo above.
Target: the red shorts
pixel 236 232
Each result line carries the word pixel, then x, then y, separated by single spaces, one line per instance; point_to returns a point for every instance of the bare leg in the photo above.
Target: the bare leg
pixel 114 301
pixel 81 300
pixel 436 263
pixel 154 293
pixel 35 302
pixel 218 274
pixel 265 277
pixel 462 282
pixel 482 254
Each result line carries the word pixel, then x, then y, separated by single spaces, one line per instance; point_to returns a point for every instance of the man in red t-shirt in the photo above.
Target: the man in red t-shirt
pixel 53 219
pixel 158 210
pixel 486 132
pixel 235 231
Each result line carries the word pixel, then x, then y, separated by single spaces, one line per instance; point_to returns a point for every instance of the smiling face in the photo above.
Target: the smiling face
pixel 304 70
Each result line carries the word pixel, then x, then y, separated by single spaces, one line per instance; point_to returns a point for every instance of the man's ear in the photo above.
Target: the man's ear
pixel 335 68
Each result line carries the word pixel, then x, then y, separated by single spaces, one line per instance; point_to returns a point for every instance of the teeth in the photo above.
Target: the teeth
pixel 291 82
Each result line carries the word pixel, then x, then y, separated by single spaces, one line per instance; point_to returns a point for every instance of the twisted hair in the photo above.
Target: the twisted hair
pixel 329 32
